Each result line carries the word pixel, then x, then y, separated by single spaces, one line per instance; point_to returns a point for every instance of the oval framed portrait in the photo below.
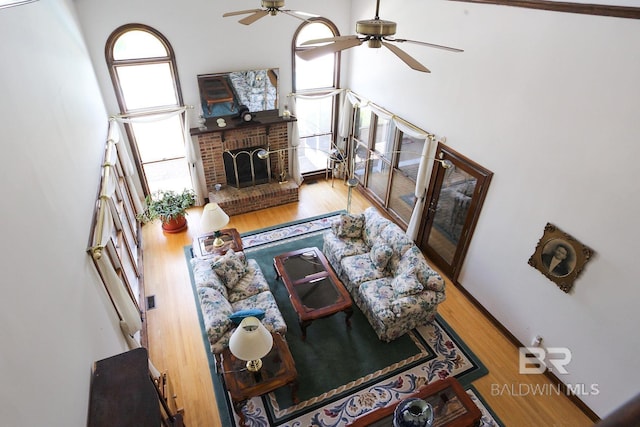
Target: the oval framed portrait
pixel 560 257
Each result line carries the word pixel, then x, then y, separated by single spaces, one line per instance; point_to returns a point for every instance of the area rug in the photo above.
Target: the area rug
pixel 343 373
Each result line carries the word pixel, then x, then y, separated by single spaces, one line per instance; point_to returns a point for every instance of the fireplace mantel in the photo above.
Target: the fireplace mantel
pixel 261 119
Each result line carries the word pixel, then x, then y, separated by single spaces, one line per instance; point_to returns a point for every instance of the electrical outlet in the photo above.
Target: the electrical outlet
pixel 536 341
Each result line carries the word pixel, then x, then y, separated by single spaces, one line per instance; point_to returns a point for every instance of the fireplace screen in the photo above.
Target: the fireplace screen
pixel 243 167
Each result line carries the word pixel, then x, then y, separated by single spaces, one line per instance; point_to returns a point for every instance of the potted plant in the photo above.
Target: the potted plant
pixel 170 206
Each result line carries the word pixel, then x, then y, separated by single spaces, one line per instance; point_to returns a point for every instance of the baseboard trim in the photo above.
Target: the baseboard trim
pixel 554 379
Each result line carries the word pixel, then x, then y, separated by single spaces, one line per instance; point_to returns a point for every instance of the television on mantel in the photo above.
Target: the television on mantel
pixel 222 94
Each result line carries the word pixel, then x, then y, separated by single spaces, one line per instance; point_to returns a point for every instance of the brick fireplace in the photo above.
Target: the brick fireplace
pixel 266 131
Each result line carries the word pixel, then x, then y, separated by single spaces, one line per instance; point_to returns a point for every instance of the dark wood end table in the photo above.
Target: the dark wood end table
pixel 314 288
pixel 278 369
pixel 203 245
pixel 452 407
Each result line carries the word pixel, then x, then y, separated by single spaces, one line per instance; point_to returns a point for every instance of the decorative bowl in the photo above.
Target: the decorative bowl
pixel 413 412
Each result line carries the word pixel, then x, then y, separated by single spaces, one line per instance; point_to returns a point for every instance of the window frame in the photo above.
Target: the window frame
pixel 335 110
pixel 113 65
pixel 391 159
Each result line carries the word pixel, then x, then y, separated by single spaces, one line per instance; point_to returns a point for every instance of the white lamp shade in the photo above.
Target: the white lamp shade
pixel 213 218
pixel 251 340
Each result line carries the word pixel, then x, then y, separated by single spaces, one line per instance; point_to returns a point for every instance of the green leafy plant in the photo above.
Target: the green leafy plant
pixel 167 205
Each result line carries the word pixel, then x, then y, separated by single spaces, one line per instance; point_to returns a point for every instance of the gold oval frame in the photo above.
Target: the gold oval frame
pixel 567 271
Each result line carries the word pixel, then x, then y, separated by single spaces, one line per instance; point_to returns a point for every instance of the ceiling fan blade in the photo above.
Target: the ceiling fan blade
pixel 437 46
pixel 296 14
pixel 408 59
pixel 328 40
pixel 253 18
pixel 319 51
pixel 241 12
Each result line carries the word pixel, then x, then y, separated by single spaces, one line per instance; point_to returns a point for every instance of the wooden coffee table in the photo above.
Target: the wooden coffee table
pixel 452 407
pixel 314 289
pixel 203 245
pixel 278 370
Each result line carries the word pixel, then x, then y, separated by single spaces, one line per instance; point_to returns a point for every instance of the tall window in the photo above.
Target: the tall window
pixel 386 162
pixel 143 70
pixel 316 114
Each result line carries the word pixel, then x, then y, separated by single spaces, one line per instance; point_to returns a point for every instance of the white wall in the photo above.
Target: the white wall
pixel 203 41
pixel 550 102
pixel 56 318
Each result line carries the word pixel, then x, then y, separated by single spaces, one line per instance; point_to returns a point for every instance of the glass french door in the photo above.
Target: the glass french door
pixel 454 200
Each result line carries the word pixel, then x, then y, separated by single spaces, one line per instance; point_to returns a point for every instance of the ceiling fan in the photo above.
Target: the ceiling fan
pixel 377 33
pixel 269 7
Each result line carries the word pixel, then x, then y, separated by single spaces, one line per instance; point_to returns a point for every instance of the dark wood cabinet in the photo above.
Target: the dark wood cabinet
pixel 124 394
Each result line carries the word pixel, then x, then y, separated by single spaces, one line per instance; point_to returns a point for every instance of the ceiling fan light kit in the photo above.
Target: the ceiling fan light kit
pixel 377 27
pixel 273 4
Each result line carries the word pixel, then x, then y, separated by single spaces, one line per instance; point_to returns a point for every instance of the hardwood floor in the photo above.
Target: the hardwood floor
pixel 175 341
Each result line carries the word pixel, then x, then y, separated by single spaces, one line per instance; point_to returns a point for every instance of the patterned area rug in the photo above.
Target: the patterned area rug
pixel 440 353
pixel 272 235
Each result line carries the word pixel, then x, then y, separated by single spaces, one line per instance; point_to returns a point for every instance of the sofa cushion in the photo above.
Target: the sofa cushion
pixel 204 276
pixel 415 305
pixel 339 248
pixel 230 268
pixel 360 268
pixel 273 319
pixel 350 225
pixel 376 297
pixel 215 313
pixel 380 254
pixel 406 283
pixel 238 316
pixel 430 279
pixel 399 242
pixel 374 223
pixel 252 283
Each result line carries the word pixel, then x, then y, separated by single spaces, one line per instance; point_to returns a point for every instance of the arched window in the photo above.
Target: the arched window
pixel 145 78
pixel 316 114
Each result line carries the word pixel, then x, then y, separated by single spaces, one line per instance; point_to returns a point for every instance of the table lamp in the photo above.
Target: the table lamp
pixel 251 341
pixel 214 219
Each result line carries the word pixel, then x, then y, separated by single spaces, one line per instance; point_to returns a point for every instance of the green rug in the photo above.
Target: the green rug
pixel 343 372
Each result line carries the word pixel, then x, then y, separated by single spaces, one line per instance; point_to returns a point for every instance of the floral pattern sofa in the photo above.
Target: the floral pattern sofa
pixel 231 284
pixel 385 272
